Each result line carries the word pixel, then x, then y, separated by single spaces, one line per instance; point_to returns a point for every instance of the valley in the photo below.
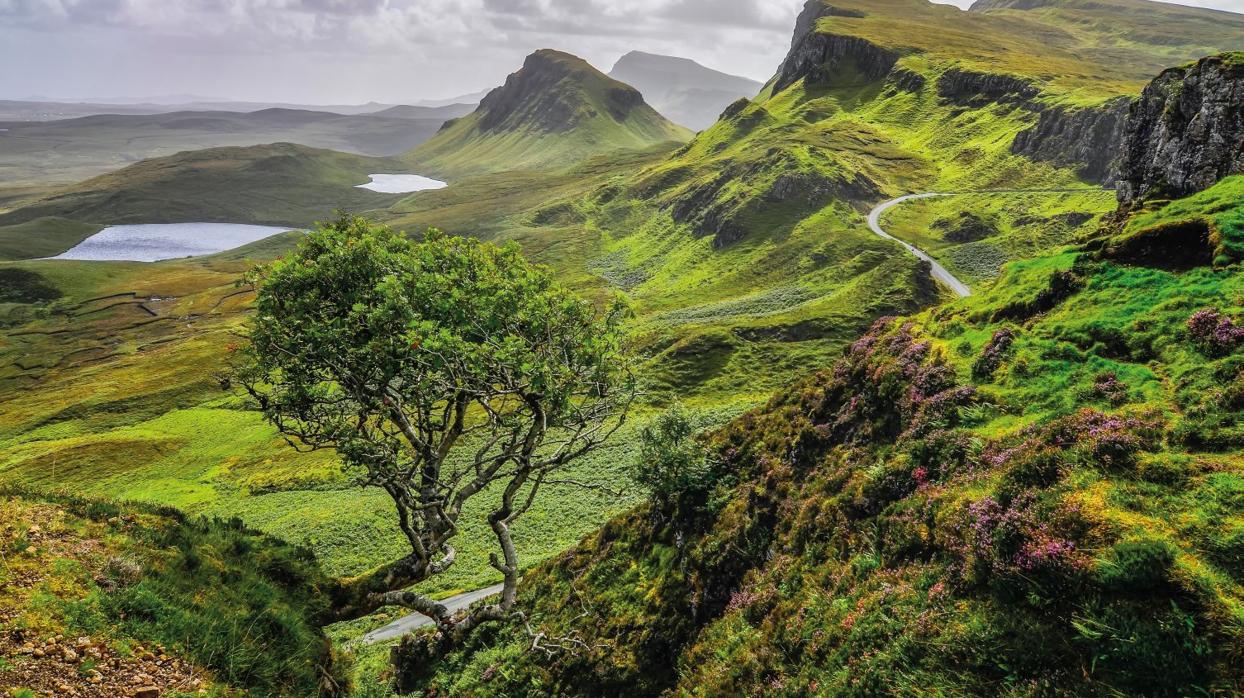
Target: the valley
pixel 952 300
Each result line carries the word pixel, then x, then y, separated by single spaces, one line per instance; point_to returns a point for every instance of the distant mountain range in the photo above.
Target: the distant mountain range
pixel 681 89
pixel 68 150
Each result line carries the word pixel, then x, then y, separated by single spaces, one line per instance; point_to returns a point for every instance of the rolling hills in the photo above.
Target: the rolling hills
pixel 68 150
pixel 1032 491
pixel 278 184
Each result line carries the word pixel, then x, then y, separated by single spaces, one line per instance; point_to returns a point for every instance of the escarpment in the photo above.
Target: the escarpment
pixel 1084 139
pixel 829 58
pixel 1185 132
pixel 972 88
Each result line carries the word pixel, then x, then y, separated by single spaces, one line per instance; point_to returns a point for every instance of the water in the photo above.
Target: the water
pixel 401 183
pixel 156 241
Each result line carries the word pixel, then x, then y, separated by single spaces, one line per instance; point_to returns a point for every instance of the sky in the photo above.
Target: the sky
pixel 355 51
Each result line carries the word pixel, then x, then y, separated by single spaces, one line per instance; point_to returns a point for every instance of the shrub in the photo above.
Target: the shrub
pixel 993 354
pixel 672 463
pixel 1213 332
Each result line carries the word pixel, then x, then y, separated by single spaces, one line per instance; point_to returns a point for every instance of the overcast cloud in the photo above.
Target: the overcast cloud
pixel 350 51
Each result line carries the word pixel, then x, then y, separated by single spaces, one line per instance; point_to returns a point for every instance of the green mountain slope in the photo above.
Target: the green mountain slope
pixel 1033 491
pixel 555 111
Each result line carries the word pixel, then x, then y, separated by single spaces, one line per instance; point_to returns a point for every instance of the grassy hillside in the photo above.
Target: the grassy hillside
pixel 1033 491
pixel 280 184
pixel 555 111
pixel 69 150
pixel 104 599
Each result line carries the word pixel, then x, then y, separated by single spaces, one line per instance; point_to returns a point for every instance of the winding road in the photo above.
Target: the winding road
pixel 939 272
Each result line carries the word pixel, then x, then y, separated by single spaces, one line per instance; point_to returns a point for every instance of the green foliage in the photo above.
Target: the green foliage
pixel 24 286
pixel 672 464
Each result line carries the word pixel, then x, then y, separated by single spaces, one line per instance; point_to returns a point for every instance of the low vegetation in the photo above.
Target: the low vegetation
pixel 98 598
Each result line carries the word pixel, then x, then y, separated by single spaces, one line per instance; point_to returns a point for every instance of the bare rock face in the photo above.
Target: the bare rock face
pixel 1186 132
pixel 971 88
pixel 1086 139
pixel 828 58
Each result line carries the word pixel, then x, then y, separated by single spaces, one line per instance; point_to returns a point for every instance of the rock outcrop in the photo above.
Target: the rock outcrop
pixel 1084 139
pixel 828 58
pixel 971 88
pixel 1186 132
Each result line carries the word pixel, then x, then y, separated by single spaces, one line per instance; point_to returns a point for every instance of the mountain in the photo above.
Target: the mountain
pixel 681 89
pixel 42 109
pixel 555 111
pixel 1031 491
pixel 416 112
pixel 470 98
pixel 69 150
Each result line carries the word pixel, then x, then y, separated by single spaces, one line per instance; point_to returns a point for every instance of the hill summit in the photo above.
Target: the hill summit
pixel 556 110
pixel 680 88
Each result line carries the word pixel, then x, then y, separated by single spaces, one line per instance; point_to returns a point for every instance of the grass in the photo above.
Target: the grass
pixel 236 605
pixel 281 184
pixel 746 258
pixel 1069 504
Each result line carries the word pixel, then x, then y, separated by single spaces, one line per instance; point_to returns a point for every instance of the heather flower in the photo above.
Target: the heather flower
pixel 1214 332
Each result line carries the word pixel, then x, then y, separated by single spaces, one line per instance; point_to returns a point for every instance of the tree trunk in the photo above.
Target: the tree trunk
pixel 354 597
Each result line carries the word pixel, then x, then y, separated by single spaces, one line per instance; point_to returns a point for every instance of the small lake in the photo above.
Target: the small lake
pixel 156 241
pixel 401 183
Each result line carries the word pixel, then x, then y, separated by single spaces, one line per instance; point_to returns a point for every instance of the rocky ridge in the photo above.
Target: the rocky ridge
pixel 1083 138
pixel 1185 132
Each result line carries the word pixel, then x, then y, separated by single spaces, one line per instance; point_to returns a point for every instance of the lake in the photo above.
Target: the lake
pixel 156 241
pixel 401 183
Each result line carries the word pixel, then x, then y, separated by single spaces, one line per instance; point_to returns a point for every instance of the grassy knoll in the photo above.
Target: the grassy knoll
pixel 105 597
pixel 64 151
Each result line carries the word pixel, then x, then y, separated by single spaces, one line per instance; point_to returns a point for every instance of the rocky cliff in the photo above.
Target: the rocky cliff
pixel 1085 139
pixel 1186 131
pixel 824 57
pixel 972 88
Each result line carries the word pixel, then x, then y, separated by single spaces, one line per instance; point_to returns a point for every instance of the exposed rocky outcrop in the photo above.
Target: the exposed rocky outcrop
pixel 1085 139
pixel 1186 132
pixel 970 88
pixel 906 80
pixel 827 58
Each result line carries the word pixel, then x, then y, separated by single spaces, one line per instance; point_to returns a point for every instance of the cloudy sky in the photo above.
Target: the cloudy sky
pixel 352 51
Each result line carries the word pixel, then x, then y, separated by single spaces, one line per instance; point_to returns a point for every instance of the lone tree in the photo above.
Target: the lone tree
pixel 442 371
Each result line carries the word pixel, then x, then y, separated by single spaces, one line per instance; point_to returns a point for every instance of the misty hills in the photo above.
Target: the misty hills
pixel 681 89
pixel 72 149
pixel 556 110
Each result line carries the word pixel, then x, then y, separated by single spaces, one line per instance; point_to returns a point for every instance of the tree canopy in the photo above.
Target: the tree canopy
pixel 397 353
